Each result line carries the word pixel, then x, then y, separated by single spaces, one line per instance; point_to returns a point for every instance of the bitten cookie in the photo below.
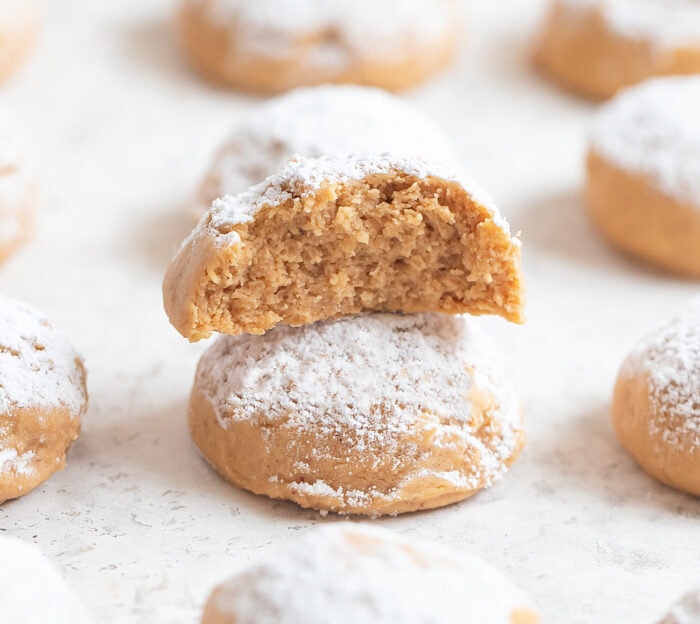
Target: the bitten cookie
pixel 685 611
pixel 32 590
pixel 643 183
pixel 319 121
pixel 656 406
pixel 42 398
pixel 343 235
pixel 347 574
pixel 19 21
pixel 596 47
pixel 272 46
pixel 17 190
pixel 378 414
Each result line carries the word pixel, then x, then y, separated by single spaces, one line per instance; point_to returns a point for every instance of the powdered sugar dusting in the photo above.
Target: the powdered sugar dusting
pixel 654 130
pixel 320 121
pixel 303 177
pixel 332 34
pixel 671 358
pixel 667 24
pixel 353 573
pixel 31 589
pixel 686 611
pixel 376 376
pixel 38 365
pixel 11 461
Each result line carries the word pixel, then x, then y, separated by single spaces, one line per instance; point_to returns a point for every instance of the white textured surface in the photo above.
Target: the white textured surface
pixel 316 121
pixel 348 574
pixel 653 130
pixel 143 528
pixel 32 590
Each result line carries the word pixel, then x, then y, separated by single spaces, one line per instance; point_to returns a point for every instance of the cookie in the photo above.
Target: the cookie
pixel 643 181
pixel 319 121
pixel 17 190
pixel 42 398
pixel 656 405
pixel 596 47
pixel 377 414
pixel 271 46
pixel 685 611
pixel 19 21
pixel 351 573
pixel 344 235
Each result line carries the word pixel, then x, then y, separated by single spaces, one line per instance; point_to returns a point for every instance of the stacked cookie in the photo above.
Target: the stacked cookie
pixel 344 382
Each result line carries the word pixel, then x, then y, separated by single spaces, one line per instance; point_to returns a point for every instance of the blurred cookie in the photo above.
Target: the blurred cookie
pixel 19 21
pixel 685 611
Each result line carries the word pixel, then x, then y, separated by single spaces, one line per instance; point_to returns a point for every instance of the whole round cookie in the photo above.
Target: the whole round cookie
pixel 17 190
pixel 319 121
pixel 273 46
pixel 352 573
pixel 343 235
pixel 685 611
pixel 32 590
pixel 19 21
pixel 596 47
pixel 42 398
pixel 656 405
pixel 643 182
pixel 378 414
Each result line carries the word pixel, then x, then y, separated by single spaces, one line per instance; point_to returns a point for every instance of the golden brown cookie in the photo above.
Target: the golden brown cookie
pixel 377 414
pixel 271 46
pixel 596 47
pixel 31 588
pixel 319 121
pixel 656 406
pixel 351 573
pixel 643 184
pixel 19 21
pixel 685 611
pixel 343 235
pixel 42 398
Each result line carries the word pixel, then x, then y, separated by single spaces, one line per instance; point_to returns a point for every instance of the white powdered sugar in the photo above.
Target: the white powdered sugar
pixel 376 376
pixel 320 121
pixel 350 574
pixel 38 365
pixel 11 461
pixel 685 611
pixel 653 130
pixel 31 589
pixel 303 177
pixel 335 33
pixel 670 357
pixel 666 24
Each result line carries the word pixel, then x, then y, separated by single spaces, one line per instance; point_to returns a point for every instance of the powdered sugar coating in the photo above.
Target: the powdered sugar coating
pixel 653 130
pixel 320 121
pixel 685 611
pixel 376 376
pixel 31 589
pixel 38 365
pixel 670 357
pixel 355 573
pixel 666 24
pixel 334 33
pixel 303 177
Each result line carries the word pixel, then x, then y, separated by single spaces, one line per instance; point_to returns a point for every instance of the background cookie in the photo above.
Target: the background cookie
pixel 18 25
pixel 352 573
pixel 643 183
pixel 596 47
pixel 31 589
pixel 685 611
pixel 273 46
pixel 42 398
pixel 656 406
pixel 17 190
pixel 344 235
pixel 372 415
pixel 315 122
